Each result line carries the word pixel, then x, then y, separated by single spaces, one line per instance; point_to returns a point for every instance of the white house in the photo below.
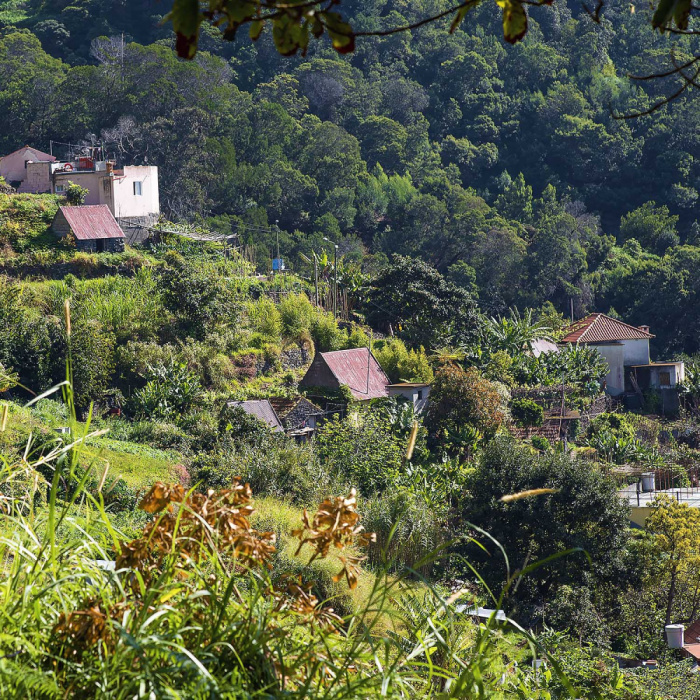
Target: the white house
pixel 130 193
pixel 626 350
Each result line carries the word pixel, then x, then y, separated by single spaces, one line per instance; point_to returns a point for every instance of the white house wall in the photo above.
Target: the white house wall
pixel 636 352
pixel 614 355
pixel 128 205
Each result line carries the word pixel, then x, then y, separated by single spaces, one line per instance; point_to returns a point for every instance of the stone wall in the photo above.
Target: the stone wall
pixel 303 412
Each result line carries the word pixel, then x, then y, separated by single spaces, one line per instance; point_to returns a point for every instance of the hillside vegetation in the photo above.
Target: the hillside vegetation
pixel 503 167
pixel 443 202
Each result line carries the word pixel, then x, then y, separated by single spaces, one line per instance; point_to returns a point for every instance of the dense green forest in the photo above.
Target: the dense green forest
pixel 503 167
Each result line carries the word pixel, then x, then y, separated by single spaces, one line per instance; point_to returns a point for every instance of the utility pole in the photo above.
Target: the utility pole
pixel 369 355
pixel 277 231
pixel 335 276
pixel 316 276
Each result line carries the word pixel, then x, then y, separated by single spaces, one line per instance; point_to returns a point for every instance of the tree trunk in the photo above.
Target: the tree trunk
pixel 671 597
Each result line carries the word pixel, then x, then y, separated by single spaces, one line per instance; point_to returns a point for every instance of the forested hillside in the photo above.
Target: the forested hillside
pixel 502 166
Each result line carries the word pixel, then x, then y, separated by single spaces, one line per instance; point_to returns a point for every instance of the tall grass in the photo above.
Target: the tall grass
pixel 130 307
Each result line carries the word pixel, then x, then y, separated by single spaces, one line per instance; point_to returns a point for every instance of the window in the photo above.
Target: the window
pixel 664 378
pixel 60 188
pixel 420 394
pixel 137 188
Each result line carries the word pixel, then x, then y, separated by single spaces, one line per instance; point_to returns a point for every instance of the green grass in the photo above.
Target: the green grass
pixel 25 220
pixel 138 465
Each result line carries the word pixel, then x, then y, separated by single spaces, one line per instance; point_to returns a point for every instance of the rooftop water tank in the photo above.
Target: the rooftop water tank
pixel 674 636
pixel 648 479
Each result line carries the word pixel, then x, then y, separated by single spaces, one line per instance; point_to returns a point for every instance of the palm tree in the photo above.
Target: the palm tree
pixel 515 334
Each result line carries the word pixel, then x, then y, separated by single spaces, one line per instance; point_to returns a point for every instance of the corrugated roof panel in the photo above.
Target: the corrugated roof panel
pixel 599 328
pixel 261 409
pixel 359 371
pixel 92 222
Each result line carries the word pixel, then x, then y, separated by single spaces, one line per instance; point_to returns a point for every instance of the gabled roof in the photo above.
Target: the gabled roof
pixel 359 370
pixel 261 409
pixel 91 222
pixel 599 328
pixel 36 153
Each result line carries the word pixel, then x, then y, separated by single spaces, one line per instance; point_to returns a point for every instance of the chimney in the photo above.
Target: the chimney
pixel 644 328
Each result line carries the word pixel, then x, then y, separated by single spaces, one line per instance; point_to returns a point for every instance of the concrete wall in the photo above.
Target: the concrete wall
pixel 655 379
pixel 129 205
pixel 410 393
pixel 614 355
pixel 98 192
pixel 636 352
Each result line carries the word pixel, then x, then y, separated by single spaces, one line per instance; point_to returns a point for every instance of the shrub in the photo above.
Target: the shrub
pixel 401 364
pixel 526 413
pixel 75 194
pixel 265 318
pixel 171 390
pixel 357 338
pixel 407 530
pixel 361 449
pixel 459 398
pixel 326 334
pixel 540 443
pixel 92 350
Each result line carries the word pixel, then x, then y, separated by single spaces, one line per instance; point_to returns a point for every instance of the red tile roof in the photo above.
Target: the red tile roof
pixel 92 222
pixel 350 367
pixel 599 328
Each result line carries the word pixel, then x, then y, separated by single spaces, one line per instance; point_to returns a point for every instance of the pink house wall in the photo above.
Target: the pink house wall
pixel 12 166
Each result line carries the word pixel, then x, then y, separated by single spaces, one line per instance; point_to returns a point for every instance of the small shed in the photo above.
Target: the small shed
pixel 262 410
pixel 94 228
pixel 416 392
pixel 356 369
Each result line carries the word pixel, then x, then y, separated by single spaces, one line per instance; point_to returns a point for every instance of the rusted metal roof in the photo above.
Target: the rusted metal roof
pixel 261 409
pixel 283 405
pixel 599 328
pixel 35 152
pixel 91 222
pixel 691 634
pixel 359 371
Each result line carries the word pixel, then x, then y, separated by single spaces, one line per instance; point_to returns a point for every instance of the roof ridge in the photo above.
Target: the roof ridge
pixel 31 148
pixel 622 323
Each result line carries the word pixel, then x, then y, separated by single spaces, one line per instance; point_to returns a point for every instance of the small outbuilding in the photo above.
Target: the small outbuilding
pixel 356 369
pixel 262 410
pixel 415 392
pixel 93 227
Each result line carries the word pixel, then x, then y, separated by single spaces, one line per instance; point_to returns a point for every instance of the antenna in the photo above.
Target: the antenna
pixel 369 354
